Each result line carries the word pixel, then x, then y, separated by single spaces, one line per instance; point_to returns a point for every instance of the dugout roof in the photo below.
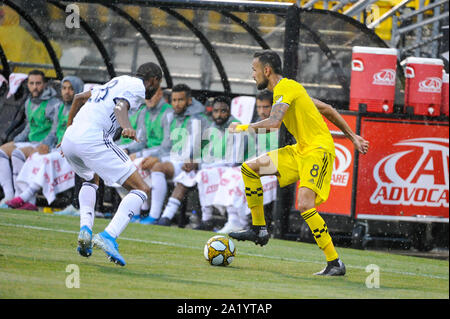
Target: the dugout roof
pixel 207 44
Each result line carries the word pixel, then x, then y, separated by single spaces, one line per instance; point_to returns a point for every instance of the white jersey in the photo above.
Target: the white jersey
pixel 97 115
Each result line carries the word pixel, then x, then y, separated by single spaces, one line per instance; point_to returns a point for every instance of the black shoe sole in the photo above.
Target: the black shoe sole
pixel 257 242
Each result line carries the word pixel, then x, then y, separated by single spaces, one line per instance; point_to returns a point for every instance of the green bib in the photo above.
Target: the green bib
pixel 254 148
pixel 178 144
pixel 217 142
pixel 155 131
pixel 40 125
pixel 133 122
pixel 62 123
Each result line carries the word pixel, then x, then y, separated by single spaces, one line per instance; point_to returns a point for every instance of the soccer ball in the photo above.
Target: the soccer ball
pixel 219 251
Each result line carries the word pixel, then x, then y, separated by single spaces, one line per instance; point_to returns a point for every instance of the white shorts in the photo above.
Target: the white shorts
pixel 26 144
pixel 100 156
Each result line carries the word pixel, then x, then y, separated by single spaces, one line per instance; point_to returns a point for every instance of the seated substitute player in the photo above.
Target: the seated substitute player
pixel 40 108
pixel 89 148
pixel 222 118
pixel 310 160
pixel 263 103
pixel 179 132
pixel 148 123
pixel 29 181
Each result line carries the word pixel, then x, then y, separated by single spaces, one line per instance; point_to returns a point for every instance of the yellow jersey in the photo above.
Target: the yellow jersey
pixel 302 119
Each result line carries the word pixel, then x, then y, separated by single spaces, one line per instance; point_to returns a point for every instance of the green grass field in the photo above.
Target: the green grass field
pixel 167 263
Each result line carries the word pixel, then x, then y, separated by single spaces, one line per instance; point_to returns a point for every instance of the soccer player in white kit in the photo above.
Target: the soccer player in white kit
pixel 89 148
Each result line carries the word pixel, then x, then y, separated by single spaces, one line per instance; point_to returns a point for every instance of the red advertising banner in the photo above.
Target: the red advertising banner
pixel 340 199
pixel 405 175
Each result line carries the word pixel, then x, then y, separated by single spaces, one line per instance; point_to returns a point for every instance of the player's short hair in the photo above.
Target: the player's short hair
pixel 182 88
pixel 265 95
pixel 149 70
pixel 271 58
pixel 37 72
pixel 222 99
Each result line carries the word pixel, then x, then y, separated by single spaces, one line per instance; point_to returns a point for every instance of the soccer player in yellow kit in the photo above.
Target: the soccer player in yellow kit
pixel 310 160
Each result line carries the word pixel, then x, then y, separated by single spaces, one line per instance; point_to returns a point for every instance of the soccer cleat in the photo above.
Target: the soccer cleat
pixel 135 219
pixel 334 268
pixel 228 228
pixel 29 206
pixel 164 221
pixel 149 220
pixel 109 245
pixel 85 242
pixel 69 210
pixel 15 203
pixel 257 234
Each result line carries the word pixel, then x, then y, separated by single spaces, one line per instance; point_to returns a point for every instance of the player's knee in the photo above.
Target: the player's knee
pixel 166 168
pixel 158 167
pixel 306 199
pixel 305 203
pixel 253 165
pixel 145 188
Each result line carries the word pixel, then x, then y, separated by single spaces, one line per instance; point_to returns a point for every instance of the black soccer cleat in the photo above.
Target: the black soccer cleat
pixel 334 268
pixel 257 234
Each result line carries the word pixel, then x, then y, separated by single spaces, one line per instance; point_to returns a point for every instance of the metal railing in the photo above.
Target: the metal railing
pixel 414 30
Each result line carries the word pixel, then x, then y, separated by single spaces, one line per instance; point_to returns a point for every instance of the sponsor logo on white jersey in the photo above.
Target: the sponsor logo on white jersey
pixel 424 180
pixel 384 77
pixel 340 175
pixel 431 85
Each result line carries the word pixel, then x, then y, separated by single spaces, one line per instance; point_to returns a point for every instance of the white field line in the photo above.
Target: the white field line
pixel 245 254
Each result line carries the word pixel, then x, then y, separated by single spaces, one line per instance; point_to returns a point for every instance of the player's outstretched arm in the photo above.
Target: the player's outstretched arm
pixel 361 144
pixel 78 101
pixel 273 121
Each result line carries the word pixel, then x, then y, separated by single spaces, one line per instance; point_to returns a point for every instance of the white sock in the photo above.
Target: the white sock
pixel 17 160
pixel 6 176
pixel 207 212
pixel 130 205
pixel 87 197
pixel 233 215
pixel 159 192
pixel 172 207
pixel 29 194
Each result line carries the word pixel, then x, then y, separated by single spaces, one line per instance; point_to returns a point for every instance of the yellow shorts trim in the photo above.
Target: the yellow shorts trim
pixel 313 169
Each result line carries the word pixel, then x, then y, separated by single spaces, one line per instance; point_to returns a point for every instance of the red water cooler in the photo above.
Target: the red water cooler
pixel 423 85
pixel 373 79
pixel 444 100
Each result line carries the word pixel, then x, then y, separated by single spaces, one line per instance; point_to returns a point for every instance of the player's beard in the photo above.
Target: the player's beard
pixel 262 85
pixel 220 121
pixel 36 93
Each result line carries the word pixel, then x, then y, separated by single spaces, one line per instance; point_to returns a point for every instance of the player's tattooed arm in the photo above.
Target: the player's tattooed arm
pixel 121 112
pixel 78 101
pixel 334 117
pixel 274 120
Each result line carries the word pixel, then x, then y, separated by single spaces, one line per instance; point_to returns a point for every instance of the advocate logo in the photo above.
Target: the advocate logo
pixel 341 163
pixel 414 177
pixel 384 77
pixel 430 85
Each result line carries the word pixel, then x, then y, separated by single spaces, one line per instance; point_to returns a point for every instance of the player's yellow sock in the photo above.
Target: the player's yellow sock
pixel 320 232
pixel 254 194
